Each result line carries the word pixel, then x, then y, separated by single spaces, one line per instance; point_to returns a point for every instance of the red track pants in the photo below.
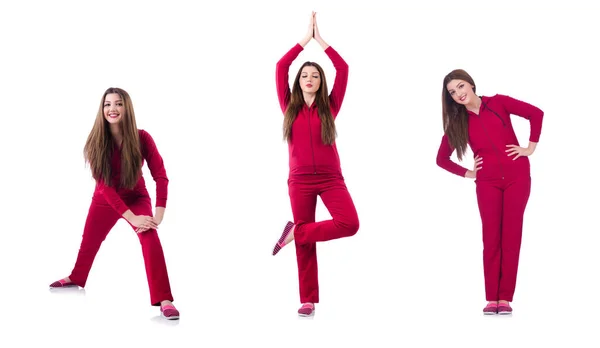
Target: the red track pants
pixel 100 220
pixel 303 191
pixel 502 206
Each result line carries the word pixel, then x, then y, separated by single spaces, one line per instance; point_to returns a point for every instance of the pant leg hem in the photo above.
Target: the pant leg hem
pixel 156 302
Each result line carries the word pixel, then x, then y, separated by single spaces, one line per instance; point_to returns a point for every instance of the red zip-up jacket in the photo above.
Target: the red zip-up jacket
pixel 113 194
pixel 489 133
pixel 307 152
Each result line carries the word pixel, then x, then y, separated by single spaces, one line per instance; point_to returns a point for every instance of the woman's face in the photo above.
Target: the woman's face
pixel 310 79
pixel 113 108
pixel 461 91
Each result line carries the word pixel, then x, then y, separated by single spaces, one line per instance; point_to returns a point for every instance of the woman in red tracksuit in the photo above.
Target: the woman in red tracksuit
pixel 309 128
pixel 116 151
pixel 501 174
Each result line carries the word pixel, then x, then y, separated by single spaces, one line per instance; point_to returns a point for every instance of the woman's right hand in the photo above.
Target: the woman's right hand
pixel 143 223
pixel 311 30
pixel 472 174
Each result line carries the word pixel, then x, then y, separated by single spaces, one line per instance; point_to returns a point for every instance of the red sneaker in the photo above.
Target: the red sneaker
pixel 504 308
pixel 169 312
pixel 62 284
pixel 307 310
pixel 280 244
pixel 491 308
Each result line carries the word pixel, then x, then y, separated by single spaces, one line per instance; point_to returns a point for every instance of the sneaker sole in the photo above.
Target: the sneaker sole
pixel 169 318
pixel 504 313
pixel 306 315
pixel 286 231
pixel 63 287
pixel 489 313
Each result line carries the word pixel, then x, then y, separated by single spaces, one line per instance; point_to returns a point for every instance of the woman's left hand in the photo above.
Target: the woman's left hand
pixel 317 35
pixel 518 151
pixel 157 219
pixel 144 229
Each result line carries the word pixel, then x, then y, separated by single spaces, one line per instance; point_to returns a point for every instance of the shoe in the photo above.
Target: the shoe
pixel 280 244
pixel 169 312
pixel 62 284
pixel 307 310
pixel 491 309
pixel 504 308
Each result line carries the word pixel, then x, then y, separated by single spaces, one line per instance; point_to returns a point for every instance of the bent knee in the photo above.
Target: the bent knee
pixel 352 227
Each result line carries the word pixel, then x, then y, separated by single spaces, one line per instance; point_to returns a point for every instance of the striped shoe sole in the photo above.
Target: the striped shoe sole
pixel 286 231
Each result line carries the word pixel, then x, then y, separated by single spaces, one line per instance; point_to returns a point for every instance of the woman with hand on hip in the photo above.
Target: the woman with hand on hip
pixel 116 151
pixel 314 164
pixel 501 173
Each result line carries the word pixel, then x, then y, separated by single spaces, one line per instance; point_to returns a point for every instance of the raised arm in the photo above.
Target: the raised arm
pixel 282 76
pixel 443 159
pixel 283 67
pixel 336 97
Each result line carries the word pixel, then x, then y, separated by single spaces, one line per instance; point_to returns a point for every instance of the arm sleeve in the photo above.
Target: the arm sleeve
pixel 444 161
pixel 341 79
pixel 527 111
pixel 282 75
pixel 156 166
pixel 112 197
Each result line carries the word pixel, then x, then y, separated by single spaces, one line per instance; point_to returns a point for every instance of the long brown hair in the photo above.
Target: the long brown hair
pixel 454 115
pixel 328 131
pixel 100 144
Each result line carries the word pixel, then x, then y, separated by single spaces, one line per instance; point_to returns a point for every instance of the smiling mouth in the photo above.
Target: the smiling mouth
pixel 463 98
pixel 113 115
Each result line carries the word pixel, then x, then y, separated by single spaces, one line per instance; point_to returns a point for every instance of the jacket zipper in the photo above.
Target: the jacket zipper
pixel 490 138
pixel 311 141
pixel 495 113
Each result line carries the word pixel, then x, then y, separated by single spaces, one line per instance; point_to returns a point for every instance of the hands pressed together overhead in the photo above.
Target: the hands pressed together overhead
pixel 313 33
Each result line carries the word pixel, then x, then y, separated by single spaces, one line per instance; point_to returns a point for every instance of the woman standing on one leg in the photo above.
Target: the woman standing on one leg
pixel 309 129
pixel 501 170
pixel 116 151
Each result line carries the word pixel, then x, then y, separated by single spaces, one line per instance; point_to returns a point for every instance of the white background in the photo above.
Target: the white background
pixel 202 80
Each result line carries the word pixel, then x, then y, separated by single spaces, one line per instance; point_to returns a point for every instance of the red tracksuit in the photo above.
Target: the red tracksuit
pixel 502 186
pixel 107 207
pixel 315 171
